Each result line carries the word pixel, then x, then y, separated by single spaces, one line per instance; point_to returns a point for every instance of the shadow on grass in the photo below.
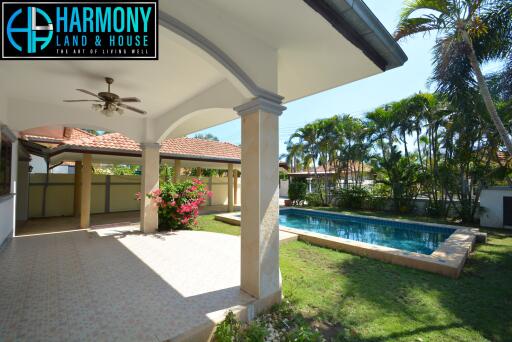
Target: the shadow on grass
pixel 375 301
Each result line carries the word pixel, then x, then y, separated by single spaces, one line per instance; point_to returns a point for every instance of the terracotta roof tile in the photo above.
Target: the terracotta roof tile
pixel 190 147
pixel 76 133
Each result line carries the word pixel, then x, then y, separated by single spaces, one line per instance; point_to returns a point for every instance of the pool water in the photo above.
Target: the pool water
pixel 410 237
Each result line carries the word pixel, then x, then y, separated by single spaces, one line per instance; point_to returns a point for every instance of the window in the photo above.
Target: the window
pixel 5 165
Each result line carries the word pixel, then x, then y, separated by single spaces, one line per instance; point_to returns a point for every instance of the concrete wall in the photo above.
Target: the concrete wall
pixel 491 202
pixel 7 202
pixel 22 191
pixel 283 187
pixel 219 187
pixel 117 197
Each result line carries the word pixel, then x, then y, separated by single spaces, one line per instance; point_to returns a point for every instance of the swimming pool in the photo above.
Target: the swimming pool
pixel 412 237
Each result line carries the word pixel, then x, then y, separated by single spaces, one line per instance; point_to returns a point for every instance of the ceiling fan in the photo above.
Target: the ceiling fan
pixel 110 103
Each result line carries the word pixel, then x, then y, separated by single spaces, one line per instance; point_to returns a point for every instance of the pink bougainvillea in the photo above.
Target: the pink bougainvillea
pixel 178 203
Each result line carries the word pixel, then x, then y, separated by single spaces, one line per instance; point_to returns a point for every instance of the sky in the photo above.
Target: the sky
pixel 359 97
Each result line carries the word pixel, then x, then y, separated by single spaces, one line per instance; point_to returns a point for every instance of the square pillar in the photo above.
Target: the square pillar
pixel 235 187
pixel 149 182
pixel 85 191
pixel 230 188
pixel 77 190
pixel 177 171
pixel 260 276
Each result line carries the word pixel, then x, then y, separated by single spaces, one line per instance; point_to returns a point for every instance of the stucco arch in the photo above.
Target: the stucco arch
pixel 180 126
pixel 214 104
pixel 215 56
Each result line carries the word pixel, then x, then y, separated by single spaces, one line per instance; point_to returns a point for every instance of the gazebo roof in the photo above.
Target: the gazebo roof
pixel 117 144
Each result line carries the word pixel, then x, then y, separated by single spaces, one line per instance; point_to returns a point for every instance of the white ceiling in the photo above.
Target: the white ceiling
pixel 312 55
pixel 178 75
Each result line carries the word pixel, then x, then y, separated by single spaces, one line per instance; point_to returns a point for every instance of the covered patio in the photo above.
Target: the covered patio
pixel 119 284
pixel 218 61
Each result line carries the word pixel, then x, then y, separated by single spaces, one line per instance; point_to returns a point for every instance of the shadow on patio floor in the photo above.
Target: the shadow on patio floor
pixel 97 286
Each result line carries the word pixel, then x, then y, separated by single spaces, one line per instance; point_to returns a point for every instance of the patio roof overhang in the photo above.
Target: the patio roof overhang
pixel 216 55
pixel 219 60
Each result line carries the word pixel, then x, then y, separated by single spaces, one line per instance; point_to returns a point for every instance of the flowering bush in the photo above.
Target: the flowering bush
pixel 178 203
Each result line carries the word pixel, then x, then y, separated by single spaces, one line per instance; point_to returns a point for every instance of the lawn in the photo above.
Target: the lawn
pixel 208 223
pixel 358 299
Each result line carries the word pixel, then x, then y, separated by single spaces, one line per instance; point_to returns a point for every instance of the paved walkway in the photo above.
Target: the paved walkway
pixel 115 284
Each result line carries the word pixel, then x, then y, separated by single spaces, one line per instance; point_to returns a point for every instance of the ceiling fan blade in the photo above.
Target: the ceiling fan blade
pixel 81 100
pixel 129 99
pixel 89 93
pixel 133 109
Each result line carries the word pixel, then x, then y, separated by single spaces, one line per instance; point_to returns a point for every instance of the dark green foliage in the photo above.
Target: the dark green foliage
pixel 228 329
pixel 297 191
pixel 314 199
pixel 353 198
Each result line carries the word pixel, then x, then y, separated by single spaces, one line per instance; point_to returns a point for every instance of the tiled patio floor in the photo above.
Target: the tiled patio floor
pixel 115 284
pixel 59 224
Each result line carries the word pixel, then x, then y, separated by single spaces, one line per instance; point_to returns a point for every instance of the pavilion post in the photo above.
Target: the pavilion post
pixel 260 276
pixel 235 187
pixel 77 192
pixel 177 171
pixel 85 191
pixel 150 182
pixel 230 188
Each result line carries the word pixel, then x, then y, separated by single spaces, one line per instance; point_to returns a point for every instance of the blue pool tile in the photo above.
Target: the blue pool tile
pixel 406 236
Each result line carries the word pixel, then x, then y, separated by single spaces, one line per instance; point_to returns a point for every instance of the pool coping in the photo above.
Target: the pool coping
pixel 447 260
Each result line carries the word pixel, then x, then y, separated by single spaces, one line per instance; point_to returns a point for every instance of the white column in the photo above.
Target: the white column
pixel 150 182
pixel 260 275
pixel 230 187
pixel 85 191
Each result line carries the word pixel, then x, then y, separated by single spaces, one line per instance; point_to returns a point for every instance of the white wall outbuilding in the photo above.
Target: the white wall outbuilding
pixel 492 204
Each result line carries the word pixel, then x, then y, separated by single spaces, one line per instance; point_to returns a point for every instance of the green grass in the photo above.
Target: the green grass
pixel 208 223
pixel 354 298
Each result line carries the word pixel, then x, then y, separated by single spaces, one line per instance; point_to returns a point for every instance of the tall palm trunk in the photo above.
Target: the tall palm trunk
pixel 486 95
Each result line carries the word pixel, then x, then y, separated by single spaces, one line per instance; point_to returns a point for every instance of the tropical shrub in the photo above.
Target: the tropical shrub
pixel 297 191
pixel 314 199
pixel 178 203
pixel 353 198
pixel 281 323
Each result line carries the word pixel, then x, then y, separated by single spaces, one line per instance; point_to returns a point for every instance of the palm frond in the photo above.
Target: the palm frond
pixel 411 26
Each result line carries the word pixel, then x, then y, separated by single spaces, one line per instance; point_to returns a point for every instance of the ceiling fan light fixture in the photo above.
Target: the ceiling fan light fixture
pixel 109 103
pixel 107 112
pixel 97 107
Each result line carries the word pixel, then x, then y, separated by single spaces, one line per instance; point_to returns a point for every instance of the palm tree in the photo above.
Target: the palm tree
pixel 480 28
